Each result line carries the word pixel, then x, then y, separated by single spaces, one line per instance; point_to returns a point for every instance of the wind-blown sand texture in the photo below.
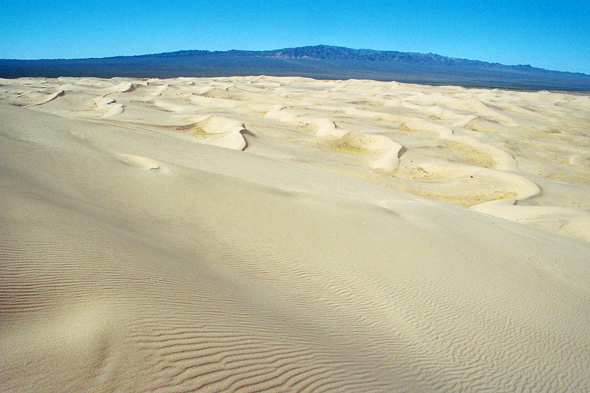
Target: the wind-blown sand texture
pixel 287 234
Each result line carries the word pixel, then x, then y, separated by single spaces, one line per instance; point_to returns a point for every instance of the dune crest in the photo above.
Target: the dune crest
pixel 515 135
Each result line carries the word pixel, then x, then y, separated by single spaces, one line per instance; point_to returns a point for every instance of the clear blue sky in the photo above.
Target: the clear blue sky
pixel 548 34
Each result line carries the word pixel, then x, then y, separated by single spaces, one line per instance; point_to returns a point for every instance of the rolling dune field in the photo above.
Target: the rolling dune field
pixel 253 234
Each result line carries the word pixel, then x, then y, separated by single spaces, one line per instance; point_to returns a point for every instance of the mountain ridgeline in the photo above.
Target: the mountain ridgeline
pixel 320 62
pixel 325 52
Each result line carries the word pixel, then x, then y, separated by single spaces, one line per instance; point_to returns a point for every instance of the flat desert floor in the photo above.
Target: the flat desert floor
pixel 292 235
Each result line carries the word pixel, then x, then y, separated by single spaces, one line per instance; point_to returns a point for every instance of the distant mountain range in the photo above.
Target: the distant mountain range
pixel 326 52
pixel 320 62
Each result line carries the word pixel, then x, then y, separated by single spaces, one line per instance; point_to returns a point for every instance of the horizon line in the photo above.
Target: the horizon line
pixel 293 47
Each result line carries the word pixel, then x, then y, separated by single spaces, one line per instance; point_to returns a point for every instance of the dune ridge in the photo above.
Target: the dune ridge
pixel 292 235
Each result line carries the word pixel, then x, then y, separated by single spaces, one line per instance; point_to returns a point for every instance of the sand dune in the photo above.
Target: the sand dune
pixel 286 234
pixel 123 87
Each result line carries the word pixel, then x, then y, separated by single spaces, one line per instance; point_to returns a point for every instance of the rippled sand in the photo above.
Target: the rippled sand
pixel 288 234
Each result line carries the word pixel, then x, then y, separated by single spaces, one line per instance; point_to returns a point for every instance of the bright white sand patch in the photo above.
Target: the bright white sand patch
pixel 287 234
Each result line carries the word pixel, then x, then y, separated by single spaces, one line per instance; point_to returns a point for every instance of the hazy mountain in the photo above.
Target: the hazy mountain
pixel 321 62
pixel 326 52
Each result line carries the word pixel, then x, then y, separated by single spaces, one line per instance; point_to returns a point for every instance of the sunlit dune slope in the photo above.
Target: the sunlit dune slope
pixel 286 234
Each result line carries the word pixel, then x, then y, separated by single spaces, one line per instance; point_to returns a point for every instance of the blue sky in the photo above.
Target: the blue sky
pixel 548 34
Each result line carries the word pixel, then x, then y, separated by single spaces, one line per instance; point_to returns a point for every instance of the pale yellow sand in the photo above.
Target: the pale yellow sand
pixel 285 234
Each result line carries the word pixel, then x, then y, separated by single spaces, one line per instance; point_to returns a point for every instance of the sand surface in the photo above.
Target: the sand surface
pixel 287 234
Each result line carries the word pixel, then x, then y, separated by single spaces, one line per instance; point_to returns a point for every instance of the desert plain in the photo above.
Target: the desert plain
pixel 292 235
